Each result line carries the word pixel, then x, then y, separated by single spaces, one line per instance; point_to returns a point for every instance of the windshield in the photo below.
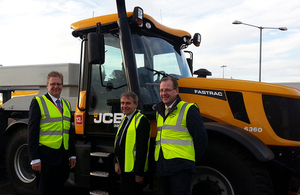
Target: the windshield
pixel 158 54
pixel 155 58
pixel 151 52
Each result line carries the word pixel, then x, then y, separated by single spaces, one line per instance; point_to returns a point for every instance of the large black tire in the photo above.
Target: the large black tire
pixel 228 169
pixel 18 165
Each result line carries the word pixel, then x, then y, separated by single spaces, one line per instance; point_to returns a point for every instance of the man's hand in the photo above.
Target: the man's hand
pixel 139 179
pixel 72 163
pixel 37 167
pixel 117 168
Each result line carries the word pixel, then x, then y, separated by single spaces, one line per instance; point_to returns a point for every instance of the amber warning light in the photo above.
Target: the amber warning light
pixel 138 15
pixel 197 39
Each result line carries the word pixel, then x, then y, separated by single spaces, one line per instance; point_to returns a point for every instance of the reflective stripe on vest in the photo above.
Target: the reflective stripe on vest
pixel 173 136
pixel 130 144
pixel 54 127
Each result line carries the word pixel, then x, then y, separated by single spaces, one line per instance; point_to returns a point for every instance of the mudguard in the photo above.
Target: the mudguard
pixel 258 148
pixel 15 125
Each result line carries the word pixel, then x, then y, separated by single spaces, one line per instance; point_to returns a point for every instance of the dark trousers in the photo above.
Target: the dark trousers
pixel 129 186
pixel 178 184
pixel 52 178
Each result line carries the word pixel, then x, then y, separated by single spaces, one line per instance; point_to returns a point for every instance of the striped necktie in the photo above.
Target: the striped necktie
pixel 59 105
pixel 167 111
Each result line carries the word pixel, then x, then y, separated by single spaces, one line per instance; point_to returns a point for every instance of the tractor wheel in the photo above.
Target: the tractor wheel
pixel 18 166
pixel 229 169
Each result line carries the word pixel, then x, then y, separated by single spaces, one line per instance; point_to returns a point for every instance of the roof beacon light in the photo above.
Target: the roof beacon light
pixel 138 15
pixel 197 39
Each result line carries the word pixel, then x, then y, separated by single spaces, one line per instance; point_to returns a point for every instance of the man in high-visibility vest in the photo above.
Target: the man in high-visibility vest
pixel 181 139
pixel 51 152
pixel 132 146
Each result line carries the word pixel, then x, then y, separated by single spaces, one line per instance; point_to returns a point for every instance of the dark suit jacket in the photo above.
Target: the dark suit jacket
pixel 142 136
pixel 47 155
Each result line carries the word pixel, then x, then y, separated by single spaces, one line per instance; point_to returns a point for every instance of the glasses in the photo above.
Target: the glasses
pixel 55 84
pixel 166 90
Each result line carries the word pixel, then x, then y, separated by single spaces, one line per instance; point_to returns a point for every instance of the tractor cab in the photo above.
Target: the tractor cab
pixel 157 51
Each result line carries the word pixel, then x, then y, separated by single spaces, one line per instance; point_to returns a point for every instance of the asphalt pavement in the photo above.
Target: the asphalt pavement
pixel 5 186
pixel 7 189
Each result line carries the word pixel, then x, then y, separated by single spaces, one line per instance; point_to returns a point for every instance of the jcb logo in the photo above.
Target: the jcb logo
pixel 108 118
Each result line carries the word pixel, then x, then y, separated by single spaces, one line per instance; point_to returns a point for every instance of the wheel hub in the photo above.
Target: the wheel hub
pixel 211 182
pixel 22 165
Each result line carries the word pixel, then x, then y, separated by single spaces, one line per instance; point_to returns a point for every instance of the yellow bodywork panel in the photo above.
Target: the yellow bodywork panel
pixel 220 111
pixel 19 93
pixel 23 93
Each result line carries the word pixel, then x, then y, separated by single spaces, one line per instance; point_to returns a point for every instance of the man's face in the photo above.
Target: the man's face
pixel 54 86
pixel 127 105
pixel 167 92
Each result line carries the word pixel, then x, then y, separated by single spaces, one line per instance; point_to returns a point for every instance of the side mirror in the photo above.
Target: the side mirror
pixel 96 48
pixel 190 60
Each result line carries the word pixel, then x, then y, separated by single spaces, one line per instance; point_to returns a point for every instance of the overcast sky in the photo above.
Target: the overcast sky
pixel 38 32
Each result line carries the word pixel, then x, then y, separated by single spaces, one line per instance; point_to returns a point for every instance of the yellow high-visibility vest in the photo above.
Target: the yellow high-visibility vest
pixel 130 143
pixel 54 126
pixel 173 137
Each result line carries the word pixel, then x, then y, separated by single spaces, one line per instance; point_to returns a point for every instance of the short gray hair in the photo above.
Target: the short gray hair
pixel 131 94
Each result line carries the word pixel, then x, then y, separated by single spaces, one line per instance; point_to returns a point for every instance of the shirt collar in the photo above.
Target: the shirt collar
pixel 53 98
pixel 130 115
pixel 170 105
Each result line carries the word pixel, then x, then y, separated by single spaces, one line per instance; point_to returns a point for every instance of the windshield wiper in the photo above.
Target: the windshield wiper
pixel 159 72
pixel 177 77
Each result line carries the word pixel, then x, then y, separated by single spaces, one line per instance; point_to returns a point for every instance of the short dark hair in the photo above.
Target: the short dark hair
pixel 130 94
pixel 55 74
pixel 174 81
